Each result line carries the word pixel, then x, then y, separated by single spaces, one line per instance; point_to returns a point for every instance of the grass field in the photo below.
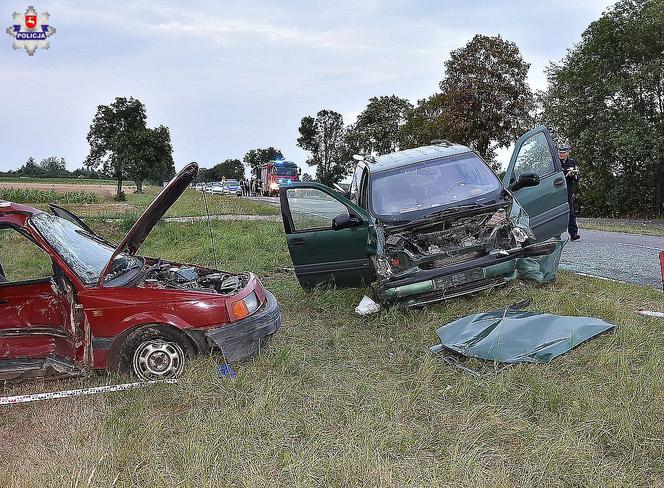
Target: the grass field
pixel 648 230
pixel 342 400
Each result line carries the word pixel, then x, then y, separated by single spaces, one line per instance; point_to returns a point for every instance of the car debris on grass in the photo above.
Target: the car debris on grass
pixel 512 335
pixel 105 307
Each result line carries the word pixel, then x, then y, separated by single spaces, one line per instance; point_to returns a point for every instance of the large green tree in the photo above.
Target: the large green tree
pixel 484 101
pixel 154 157
pixel 229 169
pixel 324 137
pixel 377 127
pixel 122 145
pixel 255 158
pixel 53 166
pixel 606 97
pixel 114 137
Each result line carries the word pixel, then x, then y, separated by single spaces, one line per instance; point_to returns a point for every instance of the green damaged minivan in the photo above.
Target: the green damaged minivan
pixel 432 223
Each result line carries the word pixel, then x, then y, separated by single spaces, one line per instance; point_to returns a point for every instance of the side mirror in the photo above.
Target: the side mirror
pixel 345 221
pixel 525 180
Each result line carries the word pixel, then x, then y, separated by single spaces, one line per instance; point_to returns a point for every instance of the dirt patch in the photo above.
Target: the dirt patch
pixel 100 190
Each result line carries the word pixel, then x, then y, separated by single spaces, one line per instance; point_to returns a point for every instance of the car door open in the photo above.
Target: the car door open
pixel 327 236
pixel 535 158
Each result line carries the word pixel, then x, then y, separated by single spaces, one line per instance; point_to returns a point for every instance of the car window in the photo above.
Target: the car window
pixel 534 156
pixel 416 190
pixel 311 208
pixel 21 259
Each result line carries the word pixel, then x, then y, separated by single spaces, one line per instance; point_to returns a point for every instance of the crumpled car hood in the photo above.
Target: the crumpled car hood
pixel 513 336
pixel 155 211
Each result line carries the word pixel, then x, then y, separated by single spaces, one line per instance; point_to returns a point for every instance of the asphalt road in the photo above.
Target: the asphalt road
pixel 632 258
pixel 625 257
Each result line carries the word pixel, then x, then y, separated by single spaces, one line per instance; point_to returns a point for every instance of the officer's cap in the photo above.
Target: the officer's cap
pixel 564 148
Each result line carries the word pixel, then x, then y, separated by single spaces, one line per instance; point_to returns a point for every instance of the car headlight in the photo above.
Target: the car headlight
pixel 246 306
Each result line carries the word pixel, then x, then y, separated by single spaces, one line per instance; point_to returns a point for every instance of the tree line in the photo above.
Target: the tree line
pixel 605 98
pixel 51 167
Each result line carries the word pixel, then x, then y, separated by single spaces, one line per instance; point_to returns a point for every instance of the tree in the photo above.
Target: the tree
pixel 427 121
pixel 30 168
pixel 606 97
pixel 485 101
pixel 255 158
pixel 122 145
pixel 377 127
pixel 154 158
pixel 324 137
pixel 232 169
pixel 307 177
pixel 114 137
pixel 53 166
pixel 229 169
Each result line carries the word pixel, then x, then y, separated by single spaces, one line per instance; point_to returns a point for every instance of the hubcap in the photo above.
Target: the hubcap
pixel 158 359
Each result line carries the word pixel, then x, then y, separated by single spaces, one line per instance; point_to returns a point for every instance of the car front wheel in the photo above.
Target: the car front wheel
pixel 152 354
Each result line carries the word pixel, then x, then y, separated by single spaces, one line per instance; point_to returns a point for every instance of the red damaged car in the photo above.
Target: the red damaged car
pixel 104 307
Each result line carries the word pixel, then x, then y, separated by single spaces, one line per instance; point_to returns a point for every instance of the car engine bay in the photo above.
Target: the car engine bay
pixel 448 240
pixel 191 278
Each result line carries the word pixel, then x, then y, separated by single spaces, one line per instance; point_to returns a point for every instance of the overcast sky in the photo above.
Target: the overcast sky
pixel 227 77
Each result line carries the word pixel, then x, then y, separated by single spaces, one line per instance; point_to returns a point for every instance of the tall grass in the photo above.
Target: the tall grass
pixel 30 195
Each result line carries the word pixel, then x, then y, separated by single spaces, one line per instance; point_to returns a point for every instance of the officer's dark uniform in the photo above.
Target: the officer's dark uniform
pixel 572 177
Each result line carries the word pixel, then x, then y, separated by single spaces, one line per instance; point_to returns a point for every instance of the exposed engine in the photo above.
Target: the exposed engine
pixel 436 243
pixel 165 275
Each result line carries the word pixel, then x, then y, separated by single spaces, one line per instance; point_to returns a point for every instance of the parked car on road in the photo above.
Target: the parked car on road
pixel 226 187
pixel 105 307
pixel 431 223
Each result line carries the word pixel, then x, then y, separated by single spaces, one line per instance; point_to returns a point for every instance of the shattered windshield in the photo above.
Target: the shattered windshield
pixel 410 191
pixel 85 254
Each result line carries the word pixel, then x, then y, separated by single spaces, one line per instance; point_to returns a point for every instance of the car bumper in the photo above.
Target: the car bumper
pixel 246 337
pixel 436 285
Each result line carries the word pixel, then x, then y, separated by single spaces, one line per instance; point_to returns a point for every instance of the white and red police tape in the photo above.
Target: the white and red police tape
pixel 13 400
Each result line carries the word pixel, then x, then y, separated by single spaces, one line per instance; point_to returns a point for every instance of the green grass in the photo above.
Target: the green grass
pixel 67 181
pixel 342 400
pixel 648 230
pixel 190 204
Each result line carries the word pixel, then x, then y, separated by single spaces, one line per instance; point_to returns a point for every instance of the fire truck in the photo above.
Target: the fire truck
pixel 278 173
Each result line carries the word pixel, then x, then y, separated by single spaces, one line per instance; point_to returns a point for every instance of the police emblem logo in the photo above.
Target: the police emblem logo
pixel 31 31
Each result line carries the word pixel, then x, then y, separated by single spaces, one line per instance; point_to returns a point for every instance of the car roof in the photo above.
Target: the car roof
pixel 397 159
pixel 10 207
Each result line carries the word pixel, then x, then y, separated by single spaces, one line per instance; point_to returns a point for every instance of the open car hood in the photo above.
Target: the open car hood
pixel 155 211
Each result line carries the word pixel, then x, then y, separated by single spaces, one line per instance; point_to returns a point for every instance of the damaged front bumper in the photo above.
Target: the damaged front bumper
pixel 246 337
pixel 537 262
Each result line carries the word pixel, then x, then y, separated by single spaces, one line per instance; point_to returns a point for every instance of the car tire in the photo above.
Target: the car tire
pixel 154 353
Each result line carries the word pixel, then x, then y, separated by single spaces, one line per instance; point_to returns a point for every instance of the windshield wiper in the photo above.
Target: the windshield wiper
pixel 94 237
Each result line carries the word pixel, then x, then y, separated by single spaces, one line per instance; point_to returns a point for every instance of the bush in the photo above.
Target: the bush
pixel 28 195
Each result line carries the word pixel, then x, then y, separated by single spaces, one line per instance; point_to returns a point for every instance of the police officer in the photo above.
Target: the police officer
pixel 572 177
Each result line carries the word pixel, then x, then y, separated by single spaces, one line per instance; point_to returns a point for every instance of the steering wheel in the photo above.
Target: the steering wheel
pixel 454 185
